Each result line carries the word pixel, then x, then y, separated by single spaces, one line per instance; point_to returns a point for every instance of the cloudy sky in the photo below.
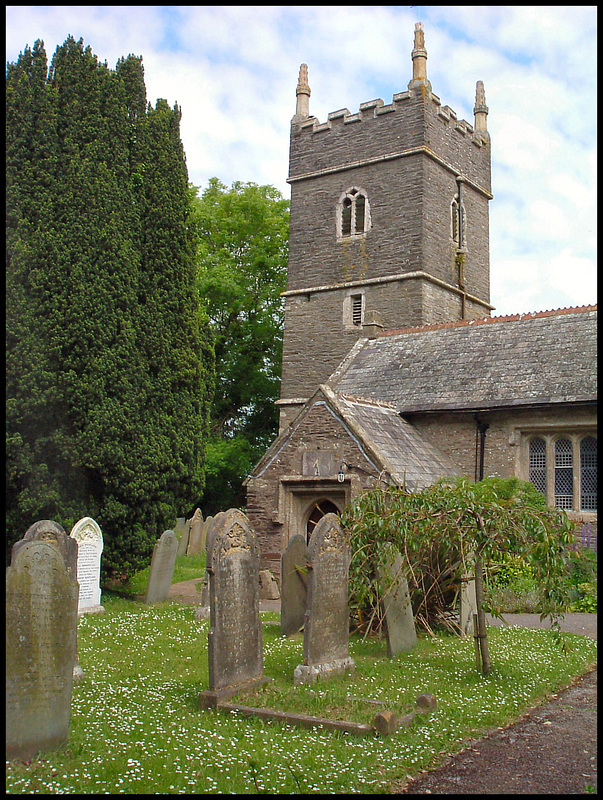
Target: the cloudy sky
pixel 233 72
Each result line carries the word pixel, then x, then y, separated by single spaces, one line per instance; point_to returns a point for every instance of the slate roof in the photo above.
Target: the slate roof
pixel 401 449
pixel 547 357
pixel 391 444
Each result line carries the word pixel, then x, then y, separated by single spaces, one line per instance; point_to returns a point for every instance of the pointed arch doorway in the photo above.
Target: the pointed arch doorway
pixel 317 512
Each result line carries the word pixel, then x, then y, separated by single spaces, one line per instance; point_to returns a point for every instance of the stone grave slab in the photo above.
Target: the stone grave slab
pixel 294 585
pixel 162 568
pixel 235 637
pixel 401 634
pixel 468 605
pixel 184 537
pixel 195 547
pixel 47 530
pixel 89 538
pixel 41 632
pixel 327 621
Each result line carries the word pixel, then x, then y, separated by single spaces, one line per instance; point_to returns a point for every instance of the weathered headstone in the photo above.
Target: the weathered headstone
pixel 162 568
pixel 195 546
pixel 47 530
pixel 41 631
pixel 468 605
pixel 327 619
pixel 89 540
pixel 294 585
pixel 184 538
pixel 268 586
pixel 400 628
pixel 235 637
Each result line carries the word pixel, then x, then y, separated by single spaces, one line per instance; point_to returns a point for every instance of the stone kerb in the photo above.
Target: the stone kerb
pixel 41 631
pixel 294 585
pixel 401 634
pixel 47 530
pixel 162 568
pixel 326 622
pixel 235 637
pixel 89 538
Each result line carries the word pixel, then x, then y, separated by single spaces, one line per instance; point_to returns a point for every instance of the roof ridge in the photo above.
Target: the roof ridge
pixel 368 401
pixel 491 320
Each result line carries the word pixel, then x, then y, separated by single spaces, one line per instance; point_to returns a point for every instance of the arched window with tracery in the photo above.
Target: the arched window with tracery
pixel 320 508
pixel 353 214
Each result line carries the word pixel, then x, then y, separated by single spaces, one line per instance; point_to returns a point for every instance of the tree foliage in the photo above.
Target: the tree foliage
pixel 444 532
pixel 242 269
pixel 109 355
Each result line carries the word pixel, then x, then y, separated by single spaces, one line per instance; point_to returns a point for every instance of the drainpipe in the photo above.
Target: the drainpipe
pixel 480 442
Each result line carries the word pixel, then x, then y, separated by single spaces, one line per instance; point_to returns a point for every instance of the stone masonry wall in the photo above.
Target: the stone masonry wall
pixel 320 430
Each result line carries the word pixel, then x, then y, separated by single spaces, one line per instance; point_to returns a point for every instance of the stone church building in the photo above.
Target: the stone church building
pixel 393 368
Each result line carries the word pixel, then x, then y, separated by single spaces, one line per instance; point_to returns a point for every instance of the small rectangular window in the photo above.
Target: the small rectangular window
pixel 357 309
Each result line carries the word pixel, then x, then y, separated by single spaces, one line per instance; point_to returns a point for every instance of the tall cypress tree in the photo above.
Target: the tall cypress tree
pixel 116 425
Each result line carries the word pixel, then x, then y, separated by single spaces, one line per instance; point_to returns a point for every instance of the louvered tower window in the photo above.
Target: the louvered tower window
pixel 588 474
pixel 564 474
pixel 537 465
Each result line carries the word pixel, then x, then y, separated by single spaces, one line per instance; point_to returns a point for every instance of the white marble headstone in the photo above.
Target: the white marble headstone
pixel 89 539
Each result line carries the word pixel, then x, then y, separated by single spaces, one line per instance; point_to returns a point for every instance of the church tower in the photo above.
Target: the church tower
pixel 388 227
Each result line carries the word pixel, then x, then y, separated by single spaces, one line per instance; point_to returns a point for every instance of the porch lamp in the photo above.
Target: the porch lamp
pixel 341 474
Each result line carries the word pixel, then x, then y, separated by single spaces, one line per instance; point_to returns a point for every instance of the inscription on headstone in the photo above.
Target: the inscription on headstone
pixel 235 637
pixel 326 622
pixel 89 539
pixel 400 628
pixel 294 585
pixel 47 530
pixel 162 568
pixel 41 629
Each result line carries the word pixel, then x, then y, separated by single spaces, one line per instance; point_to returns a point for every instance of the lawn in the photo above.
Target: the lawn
pixel 136 727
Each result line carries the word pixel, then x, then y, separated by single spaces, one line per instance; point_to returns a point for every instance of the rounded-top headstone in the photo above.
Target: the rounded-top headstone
pixel 89 538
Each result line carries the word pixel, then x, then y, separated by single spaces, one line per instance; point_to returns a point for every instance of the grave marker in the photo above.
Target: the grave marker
pixel 47 530
pixel 184 539
pixel 89 539
pixel 235 637
pixel 400 628
pixel 162 568
pixel 41 631
pixel 195 547
pixel 327 620
pixel 294 585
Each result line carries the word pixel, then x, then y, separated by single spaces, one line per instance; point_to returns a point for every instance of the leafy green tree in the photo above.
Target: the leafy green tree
pixel 109 355
pixel 453 529
pixel 242 260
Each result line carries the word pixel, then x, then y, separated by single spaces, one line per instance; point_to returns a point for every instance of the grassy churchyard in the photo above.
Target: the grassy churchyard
pixel 136 727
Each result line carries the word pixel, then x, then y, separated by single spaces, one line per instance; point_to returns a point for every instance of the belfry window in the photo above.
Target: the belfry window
pixel 353 215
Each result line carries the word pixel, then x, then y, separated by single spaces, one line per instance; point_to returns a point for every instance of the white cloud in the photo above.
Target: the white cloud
pixel 233 71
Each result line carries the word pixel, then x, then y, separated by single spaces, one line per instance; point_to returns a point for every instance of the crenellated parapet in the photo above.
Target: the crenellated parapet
pixel 415 121
pixel 374 109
